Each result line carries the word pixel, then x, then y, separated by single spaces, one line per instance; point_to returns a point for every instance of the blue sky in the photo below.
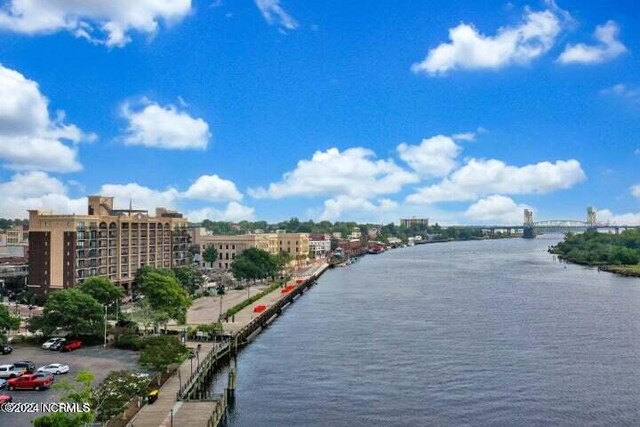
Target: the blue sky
pixel 460 111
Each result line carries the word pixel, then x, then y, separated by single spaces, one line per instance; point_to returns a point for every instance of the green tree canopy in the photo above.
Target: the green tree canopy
pixel 210 254
pixel 254 264
pixel 101 289
pixel 161 351
pixel 189 277
pixel 70 310
pixel 165 295
pixel 7 320
pixel 79 391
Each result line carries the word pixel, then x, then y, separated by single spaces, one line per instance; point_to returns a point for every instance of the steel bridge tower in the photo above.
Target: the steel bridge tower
pixel 529 230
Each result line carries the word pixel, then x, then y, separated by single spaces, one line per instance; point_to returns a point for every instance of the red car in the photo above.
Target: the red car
pixel 71 345
pixel 38 381
pixel 5 398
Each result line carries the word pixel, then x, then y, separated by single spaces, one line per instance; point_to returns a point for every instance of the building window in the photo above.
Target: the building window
pixel 219 265
pixel 220 255
pixel 233 247
pixel 220 247
pixel 233 256
pixel 226 265
pixel 227 247
pixel 226 256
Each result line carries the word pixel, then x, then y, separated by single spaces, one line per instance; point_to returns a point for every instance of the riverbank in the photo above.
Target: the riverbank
pixel 622 270
pixel 244 324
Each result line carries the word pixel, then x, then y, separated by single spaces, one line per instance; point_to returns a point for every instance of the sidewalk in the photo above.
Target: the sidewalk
pixel 159 413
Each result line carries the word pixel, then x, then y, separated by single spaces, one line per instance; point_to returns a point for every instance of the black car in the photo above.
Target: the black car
pixel 26 365
pixel 5 348
pixel 58 345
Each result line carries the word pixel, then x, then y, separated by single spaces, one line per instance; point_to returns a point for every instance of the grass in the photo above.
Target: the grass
pixel 236 308
pixel 625 270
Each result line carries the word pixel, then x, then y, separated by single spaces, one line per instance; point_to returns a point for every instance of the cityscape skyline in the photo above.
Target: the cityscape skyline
pixel 465 114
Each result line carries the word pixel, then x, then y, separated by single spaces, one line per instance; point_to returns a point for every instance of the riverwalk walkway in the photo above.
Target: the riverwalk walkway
pixel 159 413
pixel 167 411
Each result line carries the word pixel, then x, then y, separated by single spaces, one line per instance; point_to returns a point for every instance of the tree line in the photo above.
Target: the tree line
pixel 593 248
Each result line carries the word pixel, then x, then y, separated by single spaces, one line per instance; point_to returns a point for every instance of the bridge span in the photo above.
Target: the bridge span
pixel 530 228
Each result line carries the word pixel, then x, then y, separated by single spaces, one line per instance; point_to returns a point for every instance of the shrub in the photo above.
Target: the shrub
pixel 128 342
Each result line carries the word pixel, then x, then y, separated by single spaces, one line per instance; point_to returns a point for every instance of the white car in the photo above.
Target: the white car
pixel 54 368
pixel 3 383
pixel 51 342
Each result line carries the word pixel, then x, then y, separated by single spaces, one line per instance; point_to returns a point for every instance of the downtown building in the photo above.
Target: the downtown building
pixel 230 246
pixel 66 249
pixel 412 222
pixel 320 244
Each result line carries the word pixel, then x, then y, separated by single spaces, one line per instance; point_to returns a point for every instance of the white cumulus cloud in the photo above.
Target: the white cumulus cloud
pixel 354 172
pixel 517 45
pixel 480 177
pixel 213 188
pixel 335 208
pixel 108 22
pixel 166 127
pixel 496 209
pixel 435 156
pixel 140 196
pixel 37 190
pixel 29 137
pixel 234 211
pixel 608 47
pixel 625 92
pixel 607 217
pixel 274 14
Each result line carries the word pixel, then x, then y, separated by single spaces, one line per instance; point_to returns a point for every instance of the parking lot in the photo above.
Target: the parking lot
pixel 98 360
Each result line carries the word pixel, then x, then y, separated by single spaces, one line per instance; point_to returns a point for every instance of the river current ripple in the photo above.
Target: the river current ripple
pixel 493 333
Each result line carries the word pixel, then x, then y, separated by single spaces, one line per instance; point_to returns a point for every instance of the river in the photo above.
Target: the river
pixel 462 333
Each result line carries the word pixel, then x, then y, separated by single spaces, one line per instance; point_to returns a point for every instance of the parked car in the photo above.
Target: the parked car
pixel 29 367
pixel 10 371
pixel 5 348
pixel 47 345
pixel 71 345
pixel 57 346
pixel 3 383
pixel 39 381
pixel 5 398
pixel 54 368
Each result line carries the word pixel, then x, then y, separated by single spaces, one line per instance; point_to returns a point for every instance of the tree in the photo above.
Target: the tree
pixel 165 295
pixel 189 277
pixel 69 310
pixel 254 264
pixel 8 321
pixel 116 390
pixel 210 254
pixel 101 289
pixel 161 351
pixel 79 391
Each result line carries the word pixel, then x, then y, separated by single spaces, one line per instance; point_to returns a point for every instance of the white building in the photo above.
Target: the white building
pixel 319 244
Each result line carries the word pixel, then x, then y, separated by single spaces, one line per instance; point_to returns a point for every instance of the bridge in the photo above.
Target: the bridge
pixel 530 228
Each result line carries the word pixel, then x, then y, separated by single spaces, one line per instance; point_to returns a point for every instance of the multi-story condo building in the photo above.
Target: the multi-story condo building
pixel 228 247
pixel 65 249
pixel 410 222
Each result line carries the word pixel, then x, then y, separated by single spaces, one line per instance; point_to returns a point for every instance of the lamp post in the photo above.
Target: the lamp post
pixel 105 326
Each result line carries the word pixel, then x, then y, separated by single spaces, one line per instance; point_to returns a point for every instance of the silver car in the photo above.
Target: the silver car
pixel 54 368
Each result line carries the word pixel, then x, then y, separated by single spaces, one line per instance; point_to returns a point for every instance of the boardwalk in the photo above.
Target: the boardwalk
pixel 197 413
pixel 159 414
